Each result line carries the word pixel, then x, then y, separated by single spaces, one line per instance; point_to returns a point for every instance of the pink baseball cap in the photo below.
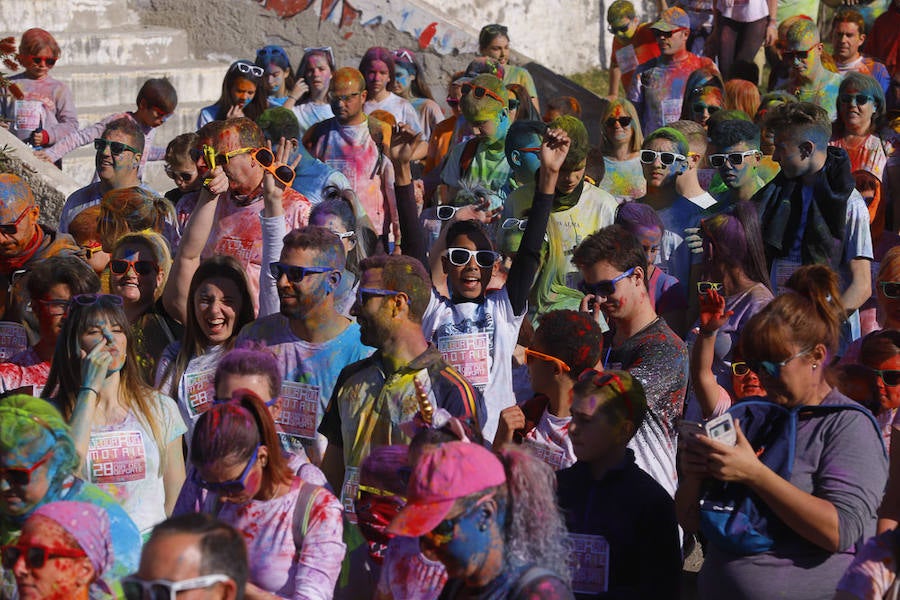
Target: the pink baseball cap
pixel 443 475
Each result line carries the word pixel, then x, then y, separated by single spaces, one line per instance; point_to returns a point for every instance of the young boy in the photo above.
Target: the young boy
pixel 156 101
pixel 633 45
pixel 609 501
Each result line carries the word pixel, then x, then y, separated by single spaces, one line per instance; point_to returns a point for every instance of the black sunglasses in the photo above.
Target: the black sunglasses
pixel 605 288
pixel 622 121
pixel 890 289
pixel 294 273
pixel 792 54
pixel 115 148
pixel 699 107
pixel 891 377
pixel 618 30
pixel 13 228
pixel 858 99
pixel 40 60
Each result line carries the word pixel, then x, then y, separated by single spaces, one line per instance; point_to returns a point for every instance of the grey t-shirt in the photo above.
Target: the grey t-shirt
pixel 839 457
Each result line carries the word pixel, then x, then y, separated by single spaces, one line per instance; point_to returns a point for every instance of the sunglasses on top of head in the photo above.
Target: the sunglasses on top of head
pixel 247 69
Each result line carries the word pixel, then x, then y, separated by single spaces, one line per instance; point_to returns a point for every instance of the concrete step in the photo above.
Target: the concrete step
pixel 195 81
pixel 65 15
pixel 130 45
pixel 184 119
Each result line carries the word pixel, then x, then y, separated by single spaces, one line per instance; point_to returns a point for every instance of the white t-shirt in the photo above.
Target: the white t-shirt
pixel 478 339
pixel 550 441
pixel 124 461
pixel 743 11
pixel 310 113
pixel 401 108
pixel 196 390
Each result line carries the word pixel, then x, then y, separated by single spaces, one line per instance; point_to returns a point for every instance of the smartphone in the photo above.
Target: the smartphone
pixel 688 429
pixel 721 429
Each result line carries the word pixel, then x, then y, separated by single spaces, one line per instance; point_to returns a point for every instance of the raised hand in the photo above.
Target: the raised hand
pixel 712 311
pixel 554 149
pixel 404 143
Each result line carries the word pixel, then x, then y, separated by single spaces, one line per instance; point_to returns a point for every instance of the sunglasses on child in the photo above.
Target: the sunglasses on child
pixel 460 257
pixel 231 487
pixel 115 148
pixel 740 368
pixel 120 266
pixel 735 159
pixel 13 228
pixel 480 92
pixel 622 121
pixel 184 176
pixel 135 588
pixel 649 157
pixel 21 476
pixel 605 288
pixel 36 556
pixel 618 30
pixel 294 273
pixel 705 286
pixel 281 172
pixel 529 353
pixel 890 289
pixel 42 60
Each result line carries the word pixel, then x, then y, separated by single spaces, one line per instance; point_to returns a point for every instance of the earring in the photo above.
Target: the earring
pixel 815 366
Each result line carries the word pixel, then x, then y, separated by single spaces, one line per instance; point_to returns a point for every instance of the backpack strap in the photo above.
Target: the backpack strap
pixel 531 574
pixel 468 155
pixel 851 406
pixel 303 508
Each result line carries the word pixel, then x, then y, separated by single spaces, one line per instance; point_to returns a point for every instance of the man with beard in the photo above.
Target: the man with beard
pixel 311 339
pixel 374 396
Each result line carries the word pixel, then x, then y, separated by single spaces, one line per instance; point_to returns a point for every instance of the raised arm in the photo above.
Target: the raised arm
pixel 712 317
pixel 196 234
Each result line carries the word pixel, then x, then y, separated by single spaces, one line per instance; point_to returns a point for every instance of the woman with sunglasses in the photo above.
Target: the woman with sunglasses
pixel 128 435
pixel 309 97
pixel 704 95
pixel 43 111
pixel 827 504
pixel 138 270
pixel 887 299
pixel 242 95
pixel 860 107
pixel 51 285
pixel 63 553
pixel 734 286
pixel 38 464
pixel 621 146
pixel 493 42
pixel 220 305
pixel 293 528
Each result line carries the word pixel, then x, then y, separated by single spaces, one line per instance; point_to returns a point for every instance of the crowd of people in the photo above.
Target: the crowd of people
pixel 364 348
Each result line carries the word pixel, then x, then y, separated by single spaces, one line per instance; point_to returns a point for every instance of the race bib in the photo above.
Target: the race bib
pixel 28 115
pixel 349 491
pixel 13 339
pixel 117 456
pixel 590 571
pixel 671 110
pixel 298 409
pixel 782 271
pixel 626 59
pixel 552 455
pixel 470 354
pixel 200 391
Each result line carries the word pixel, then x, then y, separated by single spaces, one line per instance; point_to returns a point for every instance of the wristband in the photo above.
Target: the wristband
pixel 89 389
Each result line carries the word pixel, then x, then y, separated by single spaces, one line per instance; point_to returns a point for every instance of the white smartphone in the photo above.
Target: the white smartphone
pixel 721 429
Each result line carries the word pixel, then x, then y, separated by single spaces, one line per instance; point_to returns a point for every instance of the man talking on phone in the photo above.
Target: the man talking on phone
pixel 613 266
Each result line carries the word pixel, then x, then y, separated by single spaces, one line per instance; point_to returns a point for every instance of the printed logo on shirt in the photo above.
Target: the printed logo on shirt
pixel 552 455
pixel 200 391
pixel 590 573
pixel 28 115
pixel 117 456
pixel 298 409
pixel 349 491
pixel 470 354
pixel 13 339
pixel 242 250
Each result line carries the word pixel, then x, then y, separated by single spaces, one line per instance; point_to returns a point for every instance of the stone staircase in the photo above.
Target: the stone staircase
pixel 106 56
